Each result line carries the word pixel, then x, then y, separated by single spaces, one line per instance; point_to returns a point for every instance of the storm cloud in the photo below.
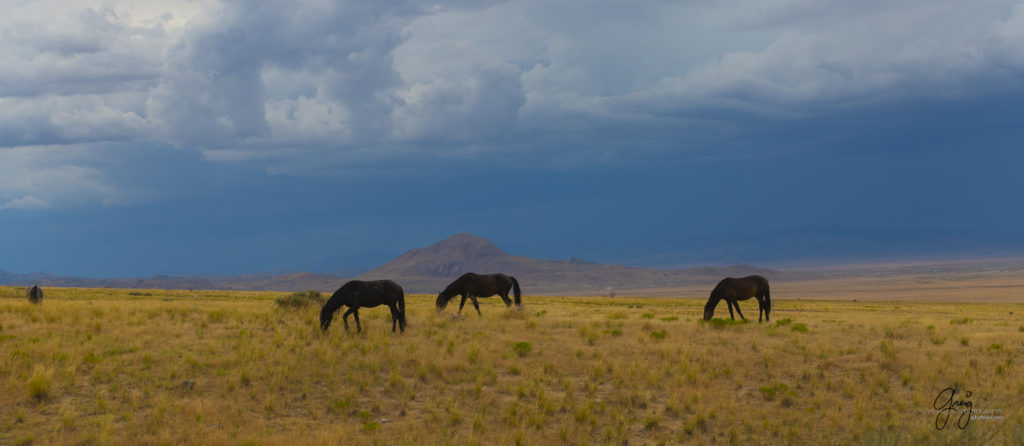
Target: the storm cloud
pixel 356 90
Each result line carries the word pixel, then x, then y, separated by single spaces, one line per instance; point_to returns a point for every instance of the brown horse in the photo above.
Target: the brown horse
pixel 356 293
pixel 472 286
pixel 734 290
pixel 35 294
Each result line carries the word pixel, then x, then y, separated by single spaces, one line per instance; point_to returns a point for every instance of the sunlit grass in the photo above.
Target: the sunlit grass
pixel 155 366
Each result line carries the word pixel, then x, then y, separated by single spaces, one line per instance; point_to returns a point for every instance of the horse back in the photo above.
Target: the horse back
pixel 760 282
pixel 367 293
pixel 377 292
pixel 744 287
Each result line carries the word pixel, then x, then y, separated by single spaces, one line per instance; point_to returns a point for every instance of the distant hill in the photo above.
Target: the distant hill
pixel 155 282
pixel 253 282
pixel 283 282
pixel 429 269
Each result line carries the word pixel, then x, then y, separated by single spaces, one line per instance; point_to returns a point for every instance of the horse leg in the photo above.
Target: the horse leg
pixel 476 305
pixel 767 304
pixel 737 304
pixel 462 303
pixel 394 317
pixel 760 309
pixel 729 304
pixel 355 313
pixel 344 317
pixel 504 297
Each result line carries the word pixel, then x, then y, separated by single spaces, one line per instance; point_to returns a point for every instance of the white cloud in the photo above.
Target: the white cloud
pixel 41 177
pixel 26 202
pixel 77 51
pixel 273 82
pixel 482 107
pixel 881 53
pixel 69 119
pixel 308 120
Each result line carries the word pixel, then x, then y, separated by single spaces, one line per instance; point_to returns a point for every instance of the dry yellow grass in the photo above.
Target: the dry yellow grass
pixel 153 366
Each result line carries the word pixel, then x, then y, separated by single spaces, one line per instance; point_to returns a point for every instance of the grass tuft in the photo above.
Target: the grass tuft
pixel 720 323
pixel 301 299
pixel 522 348
pixel 40 384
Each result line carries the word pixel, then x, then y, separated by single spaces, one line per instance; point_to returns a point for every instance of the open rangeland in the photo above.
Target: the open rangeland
pixel 100 366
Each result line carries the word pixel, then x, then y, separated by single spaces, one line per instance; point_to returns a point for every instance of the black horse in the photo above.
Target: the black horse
pixel 35 294
pixel 356 293
pixel 472 286
pixel 734 290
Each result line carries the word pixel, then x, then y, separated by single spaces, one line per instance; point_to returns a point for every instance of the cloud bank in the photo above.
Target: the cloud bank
pixel 300 87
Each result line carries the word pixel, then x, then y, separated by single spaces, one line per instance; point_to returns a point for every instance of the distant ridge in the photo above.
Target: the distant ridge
pixel 429 269
pixel 155 282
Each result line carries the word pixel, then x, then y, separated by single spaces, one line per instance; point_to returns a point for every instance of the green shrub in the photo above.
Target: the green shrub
pixel 720 323
pixel 40 383
pixel 300 299
pixel 799 327
pixel 522 348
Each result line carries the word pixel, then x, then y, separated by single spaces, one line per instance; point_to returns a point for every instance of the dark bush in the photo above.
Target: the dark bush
pixel 301 299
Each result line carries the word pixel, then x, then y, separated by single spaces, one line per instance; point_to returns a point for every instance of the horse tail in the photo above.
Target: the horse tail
pixel 35 294
pixel 516 291
pixel 767 298
pixel 401 307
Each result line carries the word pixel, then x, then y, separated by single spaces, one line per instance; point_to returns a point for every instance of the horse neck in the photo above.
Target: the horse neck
pixel 716 296
pixel 456 287
pixel 447 293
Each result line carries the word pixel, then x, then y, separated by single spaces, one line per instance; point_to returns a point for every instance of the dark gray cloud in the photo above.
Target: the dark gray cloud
pixel 315 87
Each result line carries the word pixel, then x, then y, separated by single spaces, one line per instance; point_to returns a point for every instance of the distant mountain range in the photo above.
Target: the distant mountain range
pixel 810 245
pixel 429 269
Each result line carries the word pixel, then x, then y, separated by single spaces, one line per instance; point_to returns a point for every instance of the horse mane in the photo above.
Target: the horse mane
pixel 716 292
pixel 451 290
pixel 716 295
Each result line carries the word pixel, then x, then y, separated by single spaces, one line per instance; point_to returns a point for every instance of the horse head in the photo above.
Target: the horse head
pixel 326 315
pixel 442 300
pixel 709 308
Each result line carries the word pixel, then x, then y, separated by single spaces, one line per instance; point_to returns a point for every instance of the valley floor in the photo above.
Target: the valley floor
pixel 105 366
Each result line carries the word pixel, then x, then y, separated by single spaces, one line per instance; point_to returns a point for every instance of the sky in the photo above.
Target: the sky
pixel 225 137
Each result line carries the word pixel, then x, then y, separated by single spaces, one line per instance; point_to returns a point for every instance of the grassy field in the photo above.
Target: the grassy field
pixel 178 367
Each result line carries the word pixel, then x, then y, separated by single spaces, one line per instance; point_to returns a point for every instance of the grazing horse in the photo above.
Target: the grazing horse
pixel 472 286
pixel 357 293
pixel 35 294
pixel 734 290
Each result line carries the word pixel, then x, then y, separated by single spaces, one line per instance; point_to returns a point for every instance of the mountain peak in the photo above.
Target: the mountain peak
pixel 457 247
pixel 450 257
